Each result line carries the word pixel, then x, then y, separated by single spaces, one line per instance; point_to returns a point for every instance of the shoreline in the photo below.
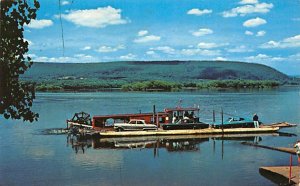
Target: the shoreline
pixel 162 90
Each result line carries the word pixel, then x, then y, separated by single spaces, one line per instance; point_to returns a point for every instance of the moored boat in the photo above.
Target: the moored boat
pixel 235 122
pixel 183 118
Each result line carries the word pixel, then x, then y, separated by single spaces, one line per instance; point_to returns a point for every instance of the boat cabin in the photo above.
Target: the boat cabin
pixel 183 115
pixel 107 121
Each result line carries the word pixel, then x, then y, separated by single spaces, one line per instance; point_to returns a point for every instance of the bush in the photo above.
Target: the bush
pixel 238 84
pixel 151 85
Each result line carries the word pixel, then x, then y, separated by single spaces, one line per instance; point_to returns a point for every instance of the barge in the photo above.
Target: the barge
pixel 172 121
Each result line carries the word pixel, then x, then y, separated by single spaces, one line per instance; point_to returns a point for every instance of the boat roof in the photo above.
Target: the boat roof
pixel 127 115
pixel 181 109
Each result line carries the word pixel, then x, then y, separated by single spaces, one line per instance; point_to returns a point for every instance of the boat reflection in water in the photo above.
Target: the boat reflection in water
pixel 187 143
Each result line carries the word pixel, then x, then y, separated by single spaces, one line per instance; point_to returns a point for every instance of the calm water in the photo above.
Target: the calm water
pixel 28 157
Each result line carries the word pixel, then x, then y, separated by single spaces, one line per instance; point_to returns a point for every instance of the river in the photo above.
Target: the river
pixel 28 156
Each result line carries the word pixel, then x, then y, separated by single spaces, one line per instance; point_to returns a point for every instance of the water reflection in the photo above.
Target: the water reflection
pixel 187 143
pixel 79 143
pixel 276 178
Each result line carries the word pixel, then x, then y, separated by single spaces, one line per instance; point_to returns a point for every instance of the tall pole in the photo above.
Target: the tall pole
pixel 157 121
pixel 222 114
pixel 291 162
pixel 154 111
pixel 222 147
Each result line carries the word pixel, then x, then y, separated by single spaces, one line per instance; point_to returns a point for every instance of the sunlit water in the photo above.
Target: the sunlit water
pixel 28 157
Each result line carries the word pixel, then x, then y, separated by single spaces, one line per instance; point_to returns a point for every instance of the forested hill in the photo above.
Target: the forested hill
pixel 172 71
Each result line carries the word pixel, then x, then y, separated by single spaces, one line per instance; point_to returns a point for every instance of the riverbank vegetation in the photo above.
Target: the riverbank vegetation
pixel 155 85
pixel 238 84
pixel 77 85
pixel 152 85
pixel 213 84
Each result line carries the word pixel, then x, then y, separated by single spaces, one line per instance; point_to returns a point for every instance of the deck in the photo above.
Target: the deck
pixel 281 175
pixel 187 132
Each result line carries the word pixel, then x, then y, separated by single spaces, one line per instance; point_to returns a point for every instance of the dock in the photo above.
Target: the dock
pixel 281 175
pixel 281 149
pixel 279 124
pixel 160 132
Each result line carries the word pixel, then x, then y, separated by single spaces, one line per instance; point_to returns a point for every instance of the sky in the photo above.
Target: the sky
pixel 79 31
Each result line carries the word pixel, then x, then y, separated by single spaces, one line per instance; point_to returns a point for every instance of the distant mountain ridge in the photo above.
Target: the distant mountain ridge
pixel 132 71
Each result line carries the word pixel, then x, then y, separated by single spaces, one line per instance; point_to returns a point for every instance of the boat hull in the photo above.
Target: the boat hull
pixel 185 126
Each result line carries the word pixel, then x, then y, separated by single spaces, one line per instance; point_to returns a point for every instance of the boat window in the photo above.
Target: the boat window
pixel 109 122
pixel 162 120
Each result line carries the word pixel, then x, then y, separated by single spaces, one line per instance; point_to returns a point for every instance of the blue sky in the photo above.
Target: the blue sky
pixel 259 31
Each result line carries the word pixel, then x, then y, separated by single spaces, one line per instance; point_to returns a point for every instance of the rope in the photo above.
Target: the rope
pixel 62 28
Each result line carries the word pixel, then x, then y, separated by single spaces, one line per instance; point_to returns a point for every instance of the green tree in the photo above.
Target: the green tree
pixel 15 97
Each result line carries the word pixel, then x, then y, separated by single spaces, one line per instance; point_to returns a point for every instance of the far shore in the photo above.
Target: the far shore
pixel 155 85
pixel 162 90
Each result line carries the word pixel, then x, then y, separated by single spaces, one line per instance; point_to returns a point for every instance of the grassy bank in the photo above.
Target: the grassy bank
pixel 81 85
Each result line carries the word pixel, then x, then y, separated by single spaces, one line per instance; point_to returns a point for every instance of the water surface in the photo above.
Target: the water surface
pixel 28 157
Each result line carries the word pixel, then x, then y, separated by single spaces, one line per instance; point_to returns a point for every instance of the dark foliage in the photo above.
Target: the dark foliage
pixel 213 73
pixel 16 98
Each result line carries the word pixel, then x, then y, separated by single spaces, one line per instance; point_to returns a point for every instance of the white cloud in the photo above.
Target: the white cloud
pixel 285 43
pixel 263 57
pixel 82 56
pixel 164 49
pixel 248 2
pixel 295 57
pixel 239 49
pixel 142 33
pixel 250 8
pixel 77 58
pixel 254 22
pixel 292 41
pixel 198 12
pixel 86 48
pixel 95 18
pixel 249 33
pixel 150 52
pixel 65 3
pixel 39 24
pixel 204 45
pixel 148 38
pixel 198 51
pixel 202 32
pixel 129 56
pixel 258 57
pixel 207 45
pixel 270 44
pixel 220 59
pixel 105 49
pixel 260 33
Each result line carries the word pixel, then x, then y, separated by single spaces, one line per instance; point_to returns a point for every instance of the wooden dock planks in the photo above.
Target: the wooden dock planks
pixel 281 174
pixel 188 132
